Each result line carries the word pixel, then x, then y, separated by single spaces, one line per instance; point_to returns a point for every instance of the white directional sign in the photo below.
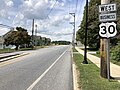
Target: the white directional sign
pixel 107 30
pixel 107 17
pixel 107 8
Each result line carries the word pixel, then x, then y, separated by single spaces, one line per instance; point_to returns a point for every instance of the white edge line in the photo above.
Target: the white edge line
pixel 37 80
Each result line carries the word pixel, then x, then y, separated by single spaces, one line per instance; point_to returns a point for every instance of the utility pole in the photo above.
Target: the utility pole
pixel 73 23
pixel 36 35
pixel 86 28
pixel 33 32
pixel 104 53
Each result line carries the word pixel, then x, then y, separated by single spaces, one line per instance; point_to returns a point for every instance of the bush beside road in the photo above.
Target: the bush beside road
pixel 114 56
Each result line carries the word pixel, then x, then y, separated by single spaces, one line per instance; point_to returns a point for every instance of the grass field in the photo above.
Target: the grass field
pixel 90 77
pixel 8 50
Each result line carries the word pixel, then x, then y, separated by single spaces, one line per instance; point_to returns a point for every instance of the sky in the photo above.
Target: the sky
pixel 51 16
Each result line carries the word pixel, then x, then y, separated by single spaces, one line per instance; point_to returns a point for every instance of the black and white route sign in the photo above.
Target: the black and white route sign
pixel 107 17
pixel 107 8
pixel 107 30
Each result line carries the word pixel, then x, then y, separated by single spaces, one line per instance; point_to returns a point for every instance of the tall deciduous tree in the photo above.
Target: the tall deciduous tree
pixel 17 38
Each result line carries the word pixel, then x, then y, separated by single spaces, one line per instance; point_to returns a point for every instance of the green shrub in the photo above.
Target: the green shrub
pixel 98 52
pixel 115 53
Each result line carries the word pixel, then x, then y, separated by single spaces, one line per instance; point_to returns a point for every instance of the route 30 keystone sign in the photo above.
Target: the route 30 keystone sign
pixel 107 30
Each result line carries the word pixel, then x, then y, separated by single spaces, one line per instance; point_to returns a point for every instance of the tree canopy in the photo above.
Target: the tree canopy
pixel 61 42
pixel 17 38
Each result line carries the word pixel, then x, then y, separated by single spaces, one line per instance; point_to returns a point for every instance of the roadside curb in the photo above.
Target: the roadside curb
pixel 75 75
pixel 12 57
pixel 75 78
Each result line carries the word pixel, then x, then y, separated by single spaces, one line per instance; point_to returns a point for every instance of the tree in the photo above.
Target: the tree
pixel 61 42
pixel 93 24
pixel 19 37
pixel 115 52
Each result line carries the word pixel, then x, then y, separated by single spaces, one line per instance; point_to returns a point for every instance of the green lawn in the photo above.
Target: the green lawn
pixel 90 76
pixel 8 50
pixel 74 50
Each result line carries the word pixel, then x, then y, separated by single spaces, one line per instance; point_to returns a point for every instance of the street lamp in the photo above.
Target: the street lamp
pixel 85 43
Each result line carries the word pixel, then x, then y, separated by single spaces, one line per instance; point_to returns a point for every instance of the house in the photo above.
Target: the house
pixel 2 40
pixel 48 41
pixel 39 41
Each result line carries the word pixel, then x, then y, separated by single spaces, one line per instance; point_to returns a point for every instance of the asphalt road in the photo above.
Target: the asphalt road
pixel 43 69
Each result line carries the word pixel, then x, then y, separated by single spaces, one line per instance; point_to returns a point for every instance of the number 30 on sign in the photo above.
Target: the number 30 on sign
pixel 107 30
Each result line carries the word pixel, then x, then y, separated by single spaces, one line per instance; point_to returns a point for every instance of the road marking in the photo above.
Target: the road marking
pixel 16 59
pixel 37 80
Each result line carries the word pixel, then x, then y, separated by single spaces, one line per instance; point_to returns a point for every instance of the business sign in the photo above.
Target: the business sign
pixel 107 8
pixel 107 17
pixel 107 30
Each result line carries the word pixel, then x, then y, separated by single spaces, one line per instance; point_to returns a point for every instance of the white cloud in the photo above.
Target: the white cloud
pixel 21 13
pixel 64 31
pixel 5 8
pixel 3 30
pixel 3 13
pixel 59 20
pixel 20 16
pixel 9 3
pixel 36 9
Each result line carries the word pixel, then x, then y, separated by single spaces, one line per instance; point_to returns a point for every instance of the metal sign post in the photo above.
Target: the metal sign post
pixel 108 58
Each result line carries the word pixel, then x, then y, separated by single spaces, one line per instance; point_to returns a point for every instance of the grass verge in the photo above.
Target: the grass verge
pixel 8 50
pixel 90 77
pixel 74 50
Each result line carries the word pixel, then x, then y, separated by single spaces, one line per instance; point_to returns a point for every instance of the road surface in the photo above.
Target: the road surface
pixel 43 69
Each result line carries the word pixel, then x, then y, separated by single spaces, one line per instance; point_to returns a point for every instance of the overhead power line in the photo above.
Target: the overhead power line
pixel 79 10
pixel 76 6
pixel 51 9
pixel 6 26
